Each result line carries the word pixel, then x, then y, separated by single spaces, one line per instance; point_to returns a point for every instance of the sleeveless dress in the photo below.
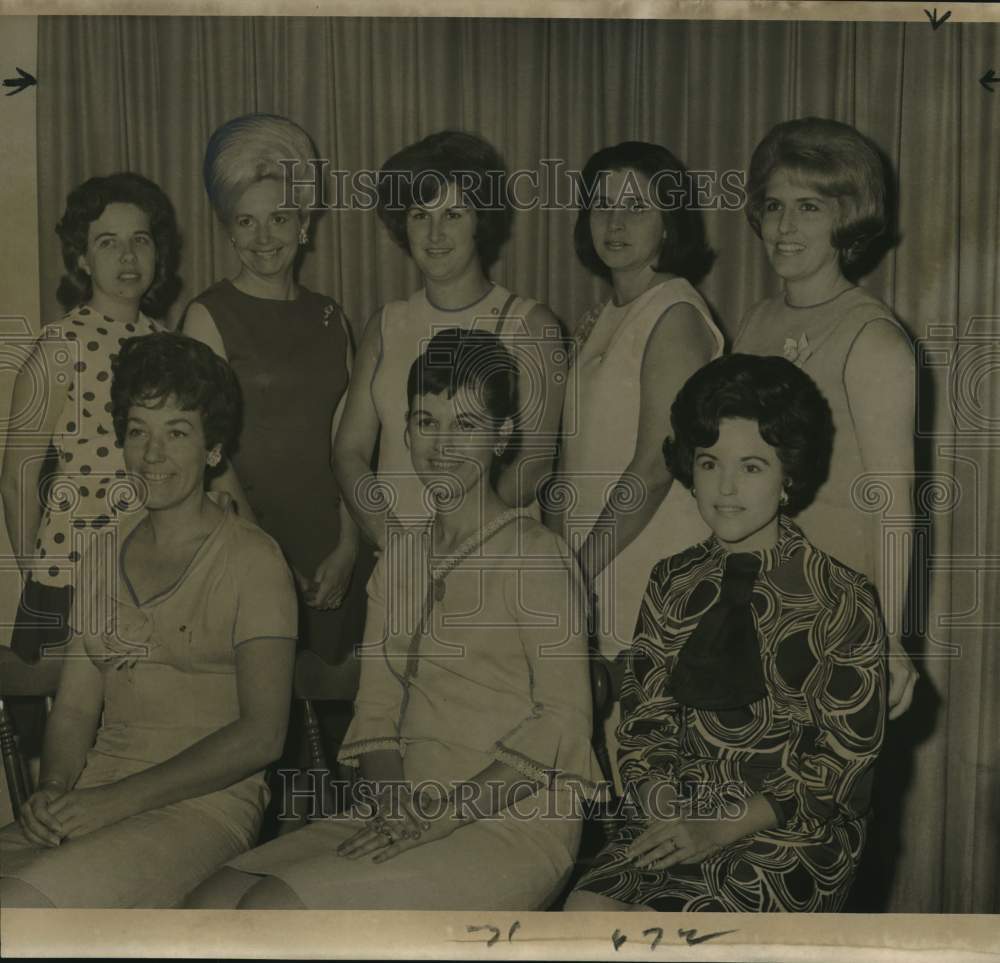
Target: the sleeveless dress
pixel 808 746
pixel 406 327
pixel 453 690
pixel 181 689
pixel 88 482
pixel 600 426
pixel 291 358
pixel 819 339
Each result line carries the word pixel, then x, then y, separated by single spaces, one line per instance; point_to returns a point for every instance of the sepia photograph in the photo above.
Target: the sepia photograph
pixel 472 474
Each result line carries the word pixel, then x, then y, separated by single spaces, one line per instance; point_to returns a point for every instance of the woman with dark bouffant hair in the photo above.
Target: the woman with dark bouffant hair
pixel 817 199
pixel 175 692
pixel 636 229
pixel 754 700
pixel 121 247
pixel 444 201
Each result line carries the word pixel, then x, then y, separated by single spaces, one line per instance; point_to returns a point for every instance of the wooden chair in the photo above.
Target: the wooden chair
pixel 324 785
pixel 21 679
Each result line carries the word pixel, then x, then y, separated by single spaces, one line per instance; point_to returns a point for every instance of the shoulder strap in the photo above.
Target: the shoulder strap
pixel 505 312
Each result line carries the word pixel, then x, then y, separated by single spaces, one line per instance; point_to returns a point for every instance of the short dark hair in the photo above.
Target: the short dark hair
pixel 835 160
pixel 474 360
pixel 152 368
pixel 791 414
pixel 86 203
pixel 686 252
pixel 419 173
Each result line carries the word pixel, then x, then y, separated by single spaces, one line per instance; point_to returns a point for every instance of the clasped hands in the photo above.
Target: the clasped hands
pixel 401 822
pixel 53 813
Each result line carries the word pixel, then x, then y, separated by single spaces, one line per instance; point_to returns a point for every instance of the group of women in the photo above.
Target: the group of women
pixel 513 498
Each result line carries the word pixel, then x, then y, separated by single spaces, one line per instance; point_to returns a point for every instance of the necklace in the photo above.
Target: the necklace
pixel 438 573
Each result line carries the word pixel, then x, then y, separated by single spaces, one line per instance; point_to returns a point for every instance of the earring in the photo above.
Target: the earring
pixel 303 236
pixel 213 457
pixel 232 241
pixel 693 495
pixel 783 499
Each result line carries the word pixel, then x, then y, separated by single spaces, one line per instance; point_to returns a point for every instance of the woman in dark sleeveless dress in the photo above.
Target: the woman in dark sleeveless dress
pixel 292 350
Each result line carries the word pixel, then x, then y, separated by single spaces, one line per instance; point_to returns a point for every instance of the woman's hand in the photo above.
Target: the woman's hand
pixel 36 819
pixel 680 840
pixel 328 587
pixel 902 679
pixel 83 811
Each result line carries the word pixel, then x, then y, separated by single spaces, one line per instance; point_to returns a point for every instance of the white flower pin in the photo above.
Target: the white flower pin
pixel 797 352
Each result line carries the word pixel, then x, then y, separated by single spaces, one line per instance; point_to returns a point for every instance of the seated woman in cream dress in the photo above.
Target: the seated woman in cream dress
pixel 175 690
pixel 472 722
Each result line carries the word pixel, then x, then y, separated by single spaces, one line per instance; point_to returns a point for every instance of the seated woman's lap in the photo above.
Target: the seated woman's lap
pixel 493 864
pixel 151 860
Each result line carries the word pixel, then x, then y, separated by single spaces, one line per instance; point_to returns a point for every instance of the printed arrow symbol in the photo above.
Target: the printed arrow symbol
pixel 933 17
pixel 19 83
pixel 989 79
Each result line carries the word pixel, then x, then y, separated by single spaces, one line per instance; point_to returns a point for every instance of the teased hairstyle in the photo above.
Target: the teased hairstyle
pixel 249 149
pixel 86 203
pixel 839 163
pixel 153 368
pixel 474 360
pixel 686 251
pixel 791 414
pixel 419 173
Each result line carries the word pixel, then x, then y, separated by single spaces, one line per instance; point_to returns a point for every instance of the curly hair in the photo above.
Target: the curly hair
pixel 791 414
pixel 420 173
pixel 686 252
pixel 839 163
pixel 86 203
pixel 474 360
pixel 250 148
pixel 153 368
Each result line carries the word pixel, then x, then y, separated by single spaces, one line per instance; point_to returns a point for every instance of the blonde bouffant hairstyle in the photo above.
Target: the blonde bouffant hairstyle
pixel 249 149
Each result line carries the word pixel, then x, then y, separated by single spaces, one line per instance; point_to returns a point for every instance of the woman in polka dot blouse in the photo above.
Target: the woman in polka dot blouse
pixel 120 246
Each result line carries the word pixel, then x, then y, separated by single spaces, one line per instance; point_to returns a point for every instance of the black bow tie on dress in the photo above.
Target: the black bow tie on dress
pixel 719 665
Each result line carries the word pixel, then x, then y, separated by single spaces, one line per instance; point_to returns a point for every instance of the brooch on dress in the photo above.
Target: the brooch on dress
pixel 327 314
pixel 797 352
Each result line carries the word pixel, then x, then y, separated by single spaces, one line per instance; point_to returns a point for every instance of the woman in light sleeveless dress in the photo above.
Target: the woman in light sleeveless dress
pixel 632 354
pixel 438 199
pixel 817 200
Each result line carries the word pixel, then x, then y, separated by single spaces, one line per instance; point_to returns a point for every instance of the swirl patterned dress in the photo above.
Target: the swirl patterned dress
pixel 809 746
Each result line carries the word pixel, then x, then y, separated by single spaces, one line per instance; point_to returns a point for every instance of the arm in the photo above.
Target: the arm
pixel 50 368
pixel 69 733
pixel 880 381
pixel 678 346
pixel 518 483
pixel 264 610
pixel 199 324
pixel 354 444
pixel 846 696
pixel 333 575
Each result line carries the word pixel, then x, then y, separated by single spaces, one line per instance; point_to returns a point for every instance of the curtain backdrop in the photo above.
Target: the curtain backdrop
pixel 145 93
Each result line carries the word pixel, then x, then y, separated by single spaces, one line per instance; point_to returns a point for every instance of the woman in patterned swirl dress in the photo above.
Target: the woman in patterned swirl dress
pixel 754 702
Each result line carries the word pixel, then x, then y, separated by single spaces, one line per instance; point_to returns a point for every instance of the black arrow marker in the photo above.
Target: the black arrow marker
pixel 19 83
pixel 989 79
pixel 933 17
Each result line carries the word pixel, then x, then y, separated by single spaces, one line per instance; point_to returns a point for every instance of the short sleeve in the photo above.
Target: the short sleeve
pixel 266 606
